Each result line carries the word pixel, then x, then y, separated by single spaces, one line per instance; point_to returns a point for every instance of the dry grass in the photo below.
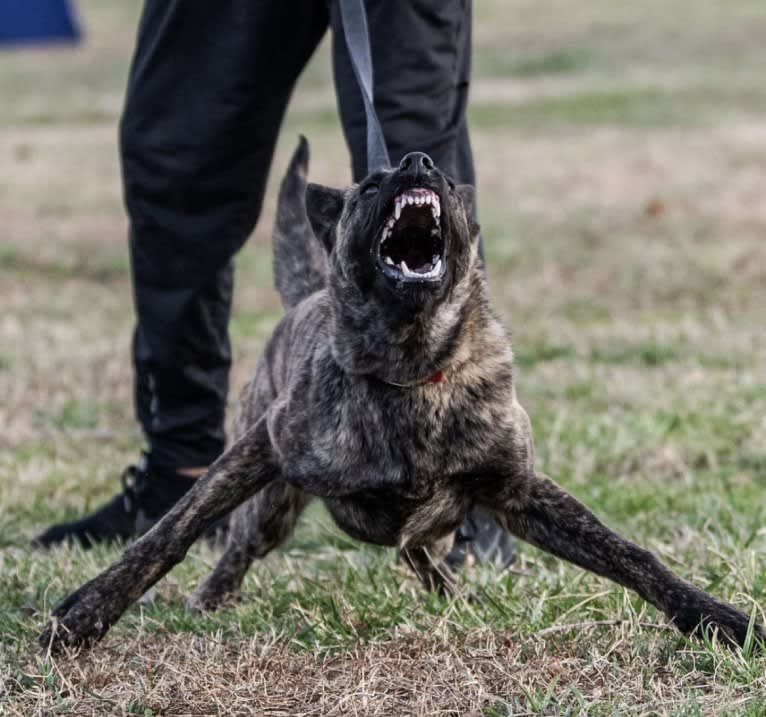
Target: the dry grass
pixel 621 153
pixel 486 672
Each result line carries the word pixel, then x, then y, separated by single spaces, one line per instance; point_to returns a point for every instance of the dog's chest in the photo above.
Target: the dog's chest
pixel 342 437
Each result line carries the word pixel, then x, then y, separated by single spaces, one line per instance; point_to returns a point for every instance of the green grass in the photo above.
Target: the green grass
pixel 620 151
pixel 641 106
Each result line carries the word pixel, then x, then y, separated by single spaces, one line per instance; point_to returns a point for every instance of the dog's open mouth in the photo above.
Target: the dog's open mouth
pixel 411 246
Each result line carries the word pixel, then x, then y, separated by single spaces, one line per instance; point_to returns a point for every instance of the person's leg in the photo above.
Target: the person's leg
pixel 421 57
pixel 208 88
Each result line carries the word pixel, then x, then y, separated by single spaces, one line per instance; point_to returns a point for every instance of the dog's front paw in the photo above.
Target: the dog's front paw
pixel 80 620
pixel 730 626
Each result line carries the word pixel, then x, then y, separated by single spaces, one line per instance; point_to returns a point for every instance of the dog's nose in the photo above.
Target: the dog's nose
pixel 416 163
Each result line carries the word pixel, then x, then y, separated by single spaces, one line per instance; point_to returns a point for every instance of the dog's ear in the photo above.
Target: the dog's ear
pixel 467 195
pixel 324 206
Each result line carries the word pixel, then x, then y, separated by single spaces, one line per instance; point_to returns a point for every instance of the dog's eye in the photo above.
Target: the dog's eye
pixel 369 190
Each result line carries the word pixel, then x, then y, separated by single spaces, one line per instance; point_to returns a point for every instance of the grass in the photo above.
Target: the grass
pixel 621 152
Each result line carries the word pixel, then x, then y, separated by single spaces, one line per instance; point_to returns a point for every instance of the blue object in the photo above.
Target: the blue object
pixel 37 21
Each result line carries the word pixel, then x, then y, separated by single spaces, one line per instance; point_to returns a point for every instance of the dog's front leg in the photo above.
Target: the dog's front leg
pixel 86 615
pixel 537 510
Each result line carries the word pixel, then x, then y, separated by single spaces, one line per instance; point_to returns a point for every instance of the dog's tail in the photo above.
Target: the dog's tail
pixel 300 263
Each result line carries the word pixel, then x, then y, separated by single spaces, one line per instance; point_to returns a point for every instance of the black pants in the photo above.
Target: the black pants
pixel 207 92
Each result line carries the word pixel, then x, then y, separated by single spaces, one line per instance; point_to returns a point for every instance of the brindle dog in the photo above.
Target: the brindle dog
pixel 387 391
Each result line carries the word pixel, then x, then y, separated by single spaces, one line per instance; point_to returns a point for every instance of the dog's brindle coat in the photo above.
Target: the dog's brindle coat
pixel 392 400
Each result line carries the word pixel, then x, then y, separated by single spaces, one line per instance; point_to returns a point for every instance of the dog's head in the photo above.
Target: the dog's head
pixel 403 269
pixel 401 237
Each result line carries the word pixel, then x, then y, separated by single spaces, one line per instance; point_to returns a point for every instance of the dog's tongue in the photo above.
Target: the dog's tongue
pixel 423 268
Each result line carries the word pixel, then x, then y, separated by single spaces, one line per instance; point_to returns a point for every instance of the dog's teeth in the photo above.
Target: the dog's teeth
pixel 436 209
pixel 431 274
pixel 388 260
pixel 427 199
pixel 397 209
pixel 433 271
pixel 410 200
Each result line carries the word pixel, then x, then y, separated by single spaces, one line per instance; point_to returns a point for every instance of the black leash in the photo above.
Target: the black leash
pixel 354 19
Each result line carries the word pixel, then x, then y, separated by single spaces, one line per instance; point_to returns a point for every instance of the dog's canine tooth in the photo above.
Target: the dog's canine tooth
pixel 389 260
pixel 398 208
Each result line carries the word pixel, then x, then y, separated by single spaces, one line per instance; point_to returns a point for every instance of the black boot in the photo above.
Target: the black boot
pixel 146 496
pixel 157 491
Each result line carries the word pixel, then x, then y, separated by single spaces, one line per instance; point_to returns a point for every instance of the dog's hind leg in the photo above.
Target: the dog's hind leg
pixel 257 527
pixel 428 564
pixel 537 510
